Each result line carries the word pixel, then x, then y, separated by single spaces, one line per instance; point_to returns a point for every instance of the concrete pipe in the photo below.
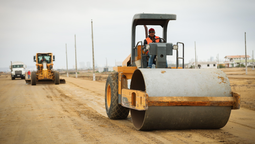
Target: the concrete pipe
pixel 181 83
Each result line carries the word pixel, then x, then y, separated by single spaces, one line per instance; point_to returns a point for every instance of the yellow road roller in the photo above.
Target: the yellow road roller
pixel 45 72
pixel 163 97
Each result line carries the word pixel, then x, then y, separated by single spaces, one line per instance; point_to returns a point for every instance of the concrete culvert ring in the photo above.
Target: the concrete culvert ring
pixel 137 83
pixel 137 118
pixel 178 83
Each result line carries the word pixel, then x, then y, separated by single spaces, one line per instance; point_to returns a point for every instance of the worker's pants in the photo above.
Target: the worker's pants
pixel 151 58
pixel 28 76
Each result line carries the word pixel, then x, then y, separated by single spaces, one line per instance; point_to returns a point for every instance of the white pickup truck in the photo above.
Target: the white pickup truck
pixel 18 70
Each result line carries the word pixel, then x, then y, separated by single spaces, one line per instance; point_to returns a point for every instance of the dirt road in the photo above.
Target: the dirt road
pixel 74 113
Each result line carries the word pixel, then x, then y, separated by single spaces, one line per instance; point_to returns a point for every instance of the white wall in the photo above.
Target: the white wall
pixel 204 66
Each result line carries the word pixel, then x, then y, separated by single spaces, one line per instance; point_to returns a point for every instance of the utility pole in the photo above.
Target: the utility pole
pixel 106 62
pixel 253 59
pixel 218 60
pixel 11 66
pixel 245 53
pixel 94 78
pixel 66 63
pixel 218 57
pixel 195 56
pixel 106 67
pixel 75 54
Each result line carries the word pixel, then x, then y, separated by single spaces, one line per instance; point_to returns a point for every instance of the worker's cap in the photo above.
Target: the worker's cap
pixel 151 30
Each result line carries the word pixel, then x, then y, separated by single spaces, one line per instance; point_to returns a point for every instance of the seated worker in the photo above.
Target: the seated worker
pixel 28 74
pixel 43 59
pixel 151 39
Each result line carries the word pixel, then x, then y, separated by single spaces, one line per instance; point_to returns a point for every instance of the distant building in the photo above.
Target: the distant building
pixel 82 65
pixel 211 59
pixel 88 65
pixel 236 60
pixel 203 65
pixel 207 65
pixel 232 58
pixel 105 69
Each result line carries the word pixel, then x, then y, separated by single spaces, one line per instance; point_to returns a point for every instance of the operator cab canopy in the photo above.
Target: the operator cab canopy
pixel 149 19
pixel 44 57
pixel 152 19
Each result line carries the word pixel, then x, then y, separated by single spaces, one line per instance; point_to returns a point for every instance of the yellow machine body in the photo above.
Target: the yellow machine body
pixel 152 108
pixel 44 73
pixel 139 100
pixel 163 97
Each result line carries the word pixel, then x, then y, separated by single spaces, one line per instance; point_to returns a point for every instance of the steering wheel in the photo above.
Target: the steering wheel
pixel 161 39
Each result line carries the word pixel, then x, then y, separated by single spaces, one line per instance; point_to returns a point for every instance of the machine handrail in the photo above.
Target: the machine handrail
pixel 138 43
pixel 177 56
pixel 141 48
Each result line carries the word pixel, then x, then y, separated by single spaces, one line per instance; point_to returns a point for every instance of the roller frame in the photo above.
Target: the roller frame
pixel 142 99
pixel 139 100
pixel 151 112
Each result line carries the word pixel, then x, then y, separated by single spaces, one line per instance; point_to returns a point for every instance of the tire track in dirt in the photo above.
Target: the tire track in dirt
pixel 48 113
pixel 242 124
pixel 85 88
pixel 126 127
pixel 57 124
pixel 76 99
pixel 98 123
pixel 219 135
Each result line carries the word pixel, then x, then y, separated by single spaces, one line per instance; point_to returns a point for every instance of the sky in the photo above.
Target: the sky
pixel 28 27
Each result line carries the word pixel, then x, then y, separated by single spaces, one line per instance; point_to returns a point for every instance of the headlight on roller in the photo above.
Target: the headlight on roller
pixel 175 47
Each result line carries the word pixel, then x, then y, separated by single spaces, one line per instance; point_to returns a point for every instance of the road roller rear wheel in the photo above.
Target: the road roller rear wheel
pixel 113 109
pixel 57 80
pixel 33 78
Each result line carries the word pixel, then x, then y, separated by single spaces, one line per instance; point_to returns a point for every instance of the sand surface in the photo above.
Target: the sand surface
pixel 75 113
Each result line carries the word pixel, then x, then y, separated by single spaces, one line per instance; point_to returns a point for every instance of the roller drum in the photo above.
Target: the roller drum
pixel 181 83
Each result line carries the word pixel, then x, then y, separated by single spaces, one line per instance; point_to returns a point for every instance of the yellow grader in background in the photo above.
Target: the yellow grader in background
pixel 45 72
pixel 164 98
